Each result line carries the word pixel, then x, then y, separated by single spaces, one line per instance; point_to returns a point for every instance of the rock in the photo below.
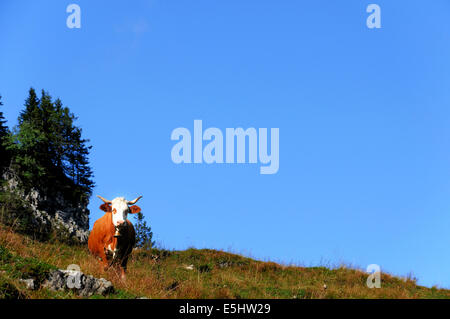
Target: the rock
pixel 29 283
pixel 224 264
pixel 81 284
pixel 51 211
pixel 55 281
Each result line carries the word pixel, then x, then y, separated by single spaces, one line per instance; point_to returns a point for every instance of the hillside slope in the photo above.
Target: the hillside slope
pixel 192 274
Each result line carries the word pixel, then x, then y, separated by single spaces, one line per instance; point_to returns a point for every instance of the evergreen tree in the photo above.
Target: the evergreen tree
pixel 77 162
pixel 144 234
pixel 48 148
pixel 3 127
pixel 31 111
pixel 28 144
pixel 4 155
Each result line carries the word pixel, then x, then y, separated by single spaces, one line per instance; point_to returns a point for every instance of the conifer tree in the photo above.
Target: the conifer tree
pixel 3 127
pixel 144 234
pixel 48 148
pixel 31 108
pixel 4 155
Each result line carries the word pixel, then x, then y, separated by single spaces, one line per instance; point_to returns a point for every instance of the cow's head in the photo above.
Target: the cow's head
pixel 119 209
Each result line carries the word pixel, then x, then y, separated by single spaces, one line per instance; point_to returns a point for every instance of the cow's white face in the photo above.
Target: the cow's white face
pixel 119 209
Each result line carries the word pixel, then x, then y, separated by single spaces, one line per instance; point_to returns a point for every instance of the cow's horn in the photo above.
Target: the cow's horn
pixel 132 202
pixel 104 200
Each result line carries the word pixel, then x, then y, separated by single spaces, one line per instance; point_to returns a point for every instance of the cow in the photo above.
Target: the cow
pixel 113 236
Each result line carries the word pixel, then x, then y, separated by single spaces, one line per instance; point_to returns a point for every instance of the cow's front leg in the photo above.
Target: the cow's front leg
pixel 123 273
pixel 103 261
pixel 123 267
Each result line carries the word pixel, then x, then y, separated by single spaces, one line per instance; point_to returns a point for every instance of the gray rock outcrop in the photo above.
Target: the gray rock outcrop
pixel 83 285
pixel 51 211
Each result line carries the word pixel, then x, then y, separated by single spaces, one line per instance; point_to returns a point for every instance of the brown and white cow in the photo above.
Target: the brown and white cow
pixel 113 236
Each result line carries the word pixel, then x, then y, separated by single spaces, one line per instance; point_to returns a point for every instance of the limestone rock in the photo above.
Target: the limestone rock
pixel 81 284
pixel 51 211
pixel 29 283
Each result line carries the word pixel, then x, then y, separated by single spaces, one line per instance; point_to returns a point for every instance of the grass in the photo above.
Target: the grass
pixel 160 273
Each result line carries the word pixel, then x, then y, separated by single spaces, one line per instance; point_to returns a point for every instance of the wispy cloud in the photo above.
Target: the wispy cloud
pixel 140 26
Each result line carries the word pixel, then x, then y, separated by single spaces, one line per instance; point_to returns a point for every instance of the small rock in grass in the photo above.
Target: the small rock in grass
pixel 29 283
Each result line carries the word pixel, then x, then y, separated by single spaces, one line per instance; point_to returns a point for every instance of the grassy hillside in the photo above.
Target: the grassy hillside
pixel 214 274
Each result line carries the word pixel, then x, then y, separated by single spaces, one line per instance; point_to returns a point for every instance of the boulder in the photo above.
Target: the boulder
pixel 83 285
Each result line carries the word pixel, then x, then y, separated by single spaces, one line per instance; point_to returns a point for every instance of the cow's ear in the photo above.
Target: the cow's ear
pixel 134 209
pixel 106 208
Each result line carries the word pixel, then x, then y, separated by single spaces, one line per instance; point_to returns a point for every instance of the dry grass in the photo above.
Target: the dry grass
pixel 215 274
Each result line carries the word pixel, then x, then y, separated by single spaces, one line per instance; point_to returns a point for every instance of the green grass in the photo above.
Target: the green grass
pixel 160 273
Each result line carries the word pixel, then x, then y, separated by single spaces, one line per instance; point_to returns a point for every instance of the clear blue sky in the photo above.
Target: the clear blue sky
pixel 364 119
